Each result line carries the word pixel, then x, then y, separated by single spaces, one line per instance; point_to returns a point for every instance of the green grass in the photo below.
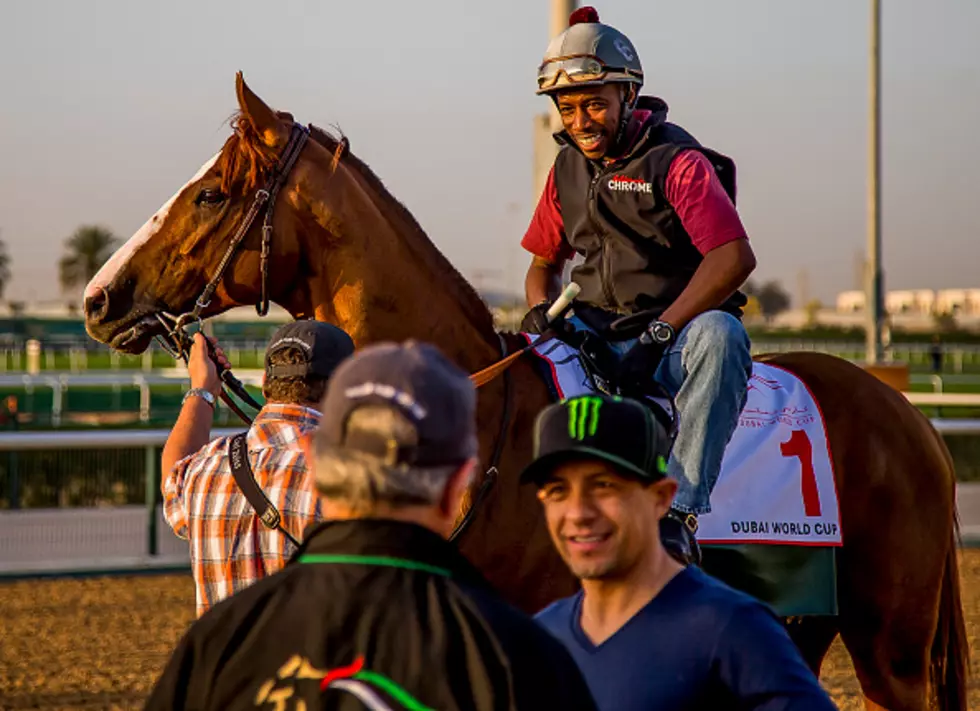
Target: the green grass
pixel 34 406
pixel 104 360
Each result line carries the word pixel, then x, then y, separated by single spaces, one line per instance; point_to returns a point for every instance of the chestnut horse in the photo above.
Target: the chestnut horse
pixel 342 249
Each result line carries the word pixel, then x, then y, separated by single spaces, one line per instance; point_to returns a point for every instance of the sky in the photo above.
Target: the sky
pixel 107 107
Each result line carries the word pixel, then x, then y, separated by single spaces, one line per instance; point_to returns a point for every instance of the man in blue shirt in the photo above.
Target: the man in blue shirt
pixel 647 632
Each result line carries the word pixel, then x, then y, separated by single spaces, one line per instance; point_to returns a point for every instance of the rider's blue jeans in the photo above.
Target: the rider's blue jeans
pixel 707 371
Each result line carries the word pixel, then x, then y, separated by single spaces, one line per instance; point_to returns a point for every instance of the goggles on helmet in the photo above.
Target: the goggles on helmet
pixel 579 68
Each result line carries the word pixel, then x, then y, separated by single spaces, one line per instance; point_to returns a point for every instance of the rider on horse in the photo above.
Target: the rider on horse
pixel 651 211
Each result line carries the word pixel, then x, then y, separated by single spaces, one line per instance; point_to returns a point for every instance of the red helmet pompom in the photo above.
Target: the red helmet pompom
pixel 583 14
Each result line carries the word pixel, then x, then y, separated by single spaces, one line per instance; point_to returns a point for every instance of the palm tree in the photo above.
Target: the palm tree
pixel 4 267
pixel 86 251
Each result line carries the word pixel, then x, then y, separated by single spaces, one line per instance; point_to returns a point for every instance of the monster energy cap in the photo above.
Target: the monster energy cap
pixel 620 431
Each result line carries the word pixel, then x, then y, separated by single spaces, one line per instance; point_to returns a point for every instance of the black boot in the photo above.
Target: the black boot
pixel 677 535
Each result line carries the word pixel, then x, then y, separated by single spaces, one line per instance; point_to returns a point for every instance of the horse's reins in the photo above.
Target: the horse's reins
pixel 501 367
pixel 557 309
pixel 490 476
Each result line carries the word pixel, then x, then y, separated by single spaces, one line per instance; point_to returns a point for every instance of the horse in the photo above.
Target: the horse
pixel 336 246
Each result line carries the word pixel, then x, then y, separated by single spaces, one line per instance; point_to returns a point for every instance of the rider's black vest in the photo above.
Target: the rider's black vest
pixel 637 254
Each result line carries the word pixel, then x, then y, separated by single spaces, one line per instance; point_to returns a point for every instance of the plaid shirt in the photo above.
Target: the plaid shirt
pixel 230 547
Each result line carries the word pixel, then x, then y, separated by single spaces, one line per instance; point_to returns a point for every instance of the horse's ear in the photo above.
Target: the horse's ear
pixel 262 118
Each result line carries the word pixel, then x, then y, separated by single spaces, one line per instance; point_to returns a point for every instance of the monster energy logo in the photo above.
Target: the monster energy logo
pixel 583 416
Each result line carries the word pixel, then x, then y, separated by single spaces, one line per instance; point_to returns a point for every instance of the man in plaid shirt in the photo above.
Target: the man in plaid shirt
pixel 230 547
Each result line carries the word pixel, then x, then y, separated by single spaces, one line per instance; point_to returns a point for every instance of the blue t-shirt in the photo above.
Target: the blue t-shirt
pixel 698 644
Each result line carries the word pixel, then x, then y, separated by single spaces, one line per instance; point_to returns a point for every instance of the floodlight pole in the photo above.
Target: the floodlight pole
pixel 874 290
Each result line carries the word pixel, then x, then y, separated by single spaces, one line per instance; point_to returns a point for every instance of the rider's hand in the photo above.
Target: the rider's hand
pixel 640 362
pixel 201 367
pixel 536 319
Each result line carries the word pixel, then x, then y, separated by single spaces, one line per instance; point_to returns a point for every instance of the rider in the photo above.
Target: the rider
pixel 651 211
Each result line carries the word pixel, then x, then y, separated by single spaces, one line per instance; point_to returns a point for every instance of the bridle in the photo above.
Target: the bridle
pixel 175 340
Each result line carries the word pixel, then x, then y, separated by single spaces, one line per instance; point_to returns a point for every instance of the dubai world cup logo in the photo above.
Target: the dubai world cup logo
pixel 376 691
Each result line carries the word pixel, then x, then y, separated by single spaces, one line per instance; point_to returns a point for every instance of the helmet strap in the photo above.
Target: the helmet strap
pixel 630 97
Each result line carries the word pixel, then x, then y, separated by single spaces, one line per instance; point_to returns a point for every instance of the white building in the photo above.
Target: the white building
pixel 849 302
pixel 916 302
pixel 965 302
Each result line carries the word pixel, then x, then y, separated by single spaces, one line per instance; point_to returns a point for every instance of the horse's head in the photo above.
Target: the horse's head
pixel 164 267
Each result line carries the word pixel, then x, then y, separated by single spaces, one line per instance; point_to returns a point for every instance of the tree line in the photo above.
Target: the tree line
pixel 84 253
pixel 766 300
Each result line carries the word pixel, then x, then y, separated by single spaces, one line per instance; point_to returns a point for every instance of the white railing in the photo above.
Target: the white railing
pixel 54 539
pixel 152 438
pixel 940 399
pixel 59 383
pixel 129 538
pixel 86 439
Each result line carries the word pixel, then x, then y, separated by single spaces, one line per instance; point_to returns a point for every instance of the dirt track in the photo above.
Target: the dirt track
pixel 99 644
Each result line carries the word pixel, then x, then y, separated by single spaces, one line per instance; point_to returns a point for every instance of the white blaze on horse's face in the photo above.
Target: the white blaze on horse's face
pixel 121 257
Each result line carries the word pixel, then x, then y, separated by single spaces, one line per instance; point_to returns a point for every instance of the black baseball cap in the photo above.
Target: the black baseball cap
pixel 323 345
pixel 431 394
pixel 634 437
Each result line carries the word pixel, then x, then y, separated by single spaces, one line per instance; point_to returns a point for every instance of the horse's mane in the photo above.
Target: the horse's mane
pixel 244 151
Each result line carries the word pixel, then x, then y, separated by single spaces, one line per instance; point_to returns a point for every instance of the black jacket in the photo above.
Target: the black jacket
pixel 638 255
pixel 382 615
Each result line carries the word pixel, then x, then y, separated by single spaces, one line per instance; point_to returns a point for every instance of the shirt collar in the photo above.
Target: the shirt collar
pixel 299 415
pixel 412 545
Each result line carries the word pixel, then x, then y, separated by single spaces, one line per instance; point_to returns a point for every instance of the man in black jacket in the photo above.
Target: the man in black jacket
pixel 376 604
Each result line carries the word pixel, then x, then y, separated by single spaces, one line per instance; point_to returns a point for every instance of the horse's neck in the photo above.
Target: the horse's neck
pixel 384 280
pixel 375 274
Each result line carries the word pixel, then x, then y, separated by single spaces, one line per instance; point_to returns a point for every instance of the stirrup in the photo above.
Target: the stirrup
pixel 687 550
pixel 691 521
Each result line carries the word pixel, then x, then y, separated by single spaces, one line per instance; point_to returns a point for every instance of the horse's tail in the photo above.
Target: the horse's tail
pixel 949 657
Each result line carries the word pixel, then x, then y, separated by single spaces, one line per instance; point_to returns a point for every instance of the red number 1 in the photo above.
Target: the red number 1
pixel 798 445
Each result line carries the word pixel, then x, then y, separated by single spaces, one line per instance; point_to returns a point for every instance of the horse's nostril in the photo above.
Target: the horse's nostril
pixel 97 305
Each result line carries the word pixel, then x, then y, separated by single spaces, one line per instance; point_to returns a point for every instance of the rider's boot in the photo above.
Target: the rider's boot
pixel 677 530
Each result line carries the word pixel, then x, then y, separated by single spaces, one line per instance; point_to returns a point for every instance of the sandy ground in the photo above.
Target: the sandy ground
pixel 100 643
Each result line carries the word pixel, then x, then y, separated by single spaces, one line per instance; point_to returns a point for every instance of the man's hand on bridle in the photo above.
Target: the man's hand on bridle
pixel 201 364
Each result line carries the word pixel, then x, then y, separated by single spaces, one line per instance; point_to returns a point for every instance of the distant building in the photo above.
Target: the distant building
pixel 959 302
pixel 849 302
pixel 916 302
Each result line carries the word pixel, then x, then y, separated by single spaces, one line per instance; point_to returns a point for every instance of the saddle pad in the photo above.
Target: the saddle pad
pixel 777 478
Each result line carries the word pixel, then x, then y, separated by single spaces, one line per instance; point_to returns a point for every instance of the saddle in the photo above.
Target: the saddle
pixel 602 365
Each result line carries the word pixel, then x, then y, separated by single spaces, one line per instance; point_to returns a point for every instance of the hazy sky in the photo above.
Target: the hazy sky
pixel 106 108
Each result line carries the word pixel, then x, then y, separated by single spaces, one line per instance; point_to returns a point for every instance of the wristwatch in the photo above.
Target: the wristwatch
pixel 658 332
pixel 201 393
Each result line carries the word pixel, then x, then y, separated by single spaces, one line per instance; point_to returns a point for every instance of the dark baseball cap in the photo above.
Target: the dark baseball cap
pixel 323 346
pixel 634 437
pixel 432 395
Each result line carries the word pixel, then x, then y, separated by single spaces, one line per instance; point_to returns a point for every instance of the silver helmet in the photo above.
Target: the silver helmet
pixel 589 53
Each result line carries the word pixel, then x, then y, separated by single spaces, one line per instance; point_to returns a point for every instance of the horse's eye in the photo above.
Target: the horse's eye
pixel 209 196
